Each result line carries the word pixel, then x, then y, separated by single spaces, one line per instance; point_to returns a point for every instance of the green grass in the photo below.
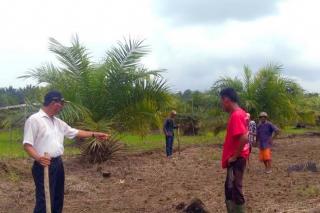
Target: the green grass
pixel 297 131
pixel 11 146
pixel 157 141
pixel 13 150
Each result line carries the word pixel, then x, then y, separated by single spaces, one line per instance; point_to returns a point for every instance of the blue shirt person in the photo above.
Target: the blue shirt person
pixel 168 130
pixel 265 133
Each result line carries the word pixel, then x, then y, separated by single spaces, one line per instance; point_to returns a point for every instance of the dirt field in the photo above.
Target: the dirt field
pixel 151 183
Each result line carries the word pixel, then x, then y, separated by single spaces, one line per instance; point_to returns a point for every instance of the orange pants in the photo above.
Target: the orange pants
pixel 265 154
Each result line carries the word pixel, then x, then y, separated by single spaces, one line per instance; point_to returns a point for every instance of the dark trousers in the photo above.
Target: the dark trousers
pixel 233 184
pixel 169 145
pixel 56 179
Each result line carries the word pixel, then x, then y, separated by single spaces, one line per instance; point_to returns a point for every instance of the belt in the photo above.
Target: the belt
pixel 56 159
pixel 53 160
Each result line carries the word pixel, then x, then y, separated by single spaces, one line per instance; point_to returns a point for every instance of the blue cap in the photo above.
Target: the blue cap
pixel 52 96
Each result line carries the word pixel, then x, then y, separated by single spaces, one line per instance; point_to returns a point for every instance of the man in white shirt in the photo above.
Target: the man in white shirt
pixel 44 133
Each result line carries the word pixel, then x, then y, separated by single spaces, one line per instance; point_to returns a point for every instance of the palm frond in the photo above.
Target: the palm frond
pixel 225 82
pixel 47 73
pixel 75 58
pixel 73 113
pixel 127 54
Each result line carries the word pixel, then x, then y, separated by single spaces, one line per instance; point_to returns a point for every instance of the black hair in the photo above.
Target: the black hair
pixel 230 93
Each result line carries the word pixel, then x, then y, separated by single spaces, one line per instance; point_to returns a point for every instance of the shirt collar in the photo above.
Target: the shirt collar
pixel 43 113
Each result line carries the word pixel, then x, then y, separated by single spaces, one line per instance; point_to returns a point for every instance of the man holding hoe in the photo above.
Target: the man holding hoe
pixel 44 133
pixel 235 150
pixel 168 130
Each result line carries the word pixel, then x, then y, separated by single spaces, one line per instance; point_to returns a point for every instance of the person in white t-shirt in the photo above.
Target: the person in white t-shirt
pixel 44 133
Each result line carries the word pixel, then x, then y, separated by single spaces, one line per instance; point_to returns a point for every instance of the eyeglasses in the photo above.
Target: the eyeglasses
pixel 59 101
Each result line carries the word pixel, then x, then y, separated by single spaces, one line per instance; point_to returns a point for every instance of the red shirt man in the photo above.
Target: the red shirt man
pixel 235 150
pixel 237 125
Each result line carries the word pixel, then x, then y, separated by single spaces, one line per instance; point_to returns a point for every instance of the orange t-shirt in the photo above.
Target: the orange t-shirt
pixel 237 125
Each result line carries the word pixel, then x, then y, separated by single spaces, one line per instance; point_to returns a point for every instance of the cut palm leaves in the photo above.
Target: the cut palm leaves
pixel 96 151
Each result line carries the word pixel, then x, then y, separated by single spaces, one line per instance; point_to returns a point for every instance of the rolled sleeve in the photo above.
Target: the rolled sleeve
pixel 69 132
pixel 29 132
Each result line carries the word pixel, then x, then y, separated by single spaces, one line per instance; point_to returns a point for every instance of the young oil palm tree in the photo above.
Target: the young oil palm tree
pixel 276 94
pixel 107 88
pixel 266 91
pixel 119 89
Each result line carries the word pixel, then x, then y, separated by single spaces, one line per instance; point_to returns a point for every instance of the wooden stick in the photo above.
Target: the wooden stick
pixel 179 140
pixel 47 186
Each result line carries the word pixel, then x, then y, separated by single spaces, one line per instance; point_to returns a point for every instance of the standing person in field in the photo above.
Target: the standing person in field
pixel 168 130
pixel 44 133
pixel 266 131
pixel 252 132
pixel 235 150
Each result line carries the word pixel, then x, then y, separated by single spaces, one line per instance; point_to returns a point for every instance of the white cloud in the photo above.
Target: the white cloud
pixel 195 53
pixel 185 12
pixel 27 26
pixel 285 38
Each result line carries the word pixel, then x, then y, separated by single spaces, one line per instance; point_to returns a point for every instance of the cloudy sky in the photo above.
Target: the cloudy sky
pixel 197 41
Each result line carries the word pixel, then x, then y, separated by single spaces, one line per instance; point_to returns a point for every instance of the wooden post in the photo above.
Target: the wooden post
pixel 47 186
pixel 179 140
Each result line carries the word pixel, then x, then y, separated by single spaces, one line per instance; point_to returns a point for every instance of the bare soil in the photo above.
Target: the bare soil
pixel 149 182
